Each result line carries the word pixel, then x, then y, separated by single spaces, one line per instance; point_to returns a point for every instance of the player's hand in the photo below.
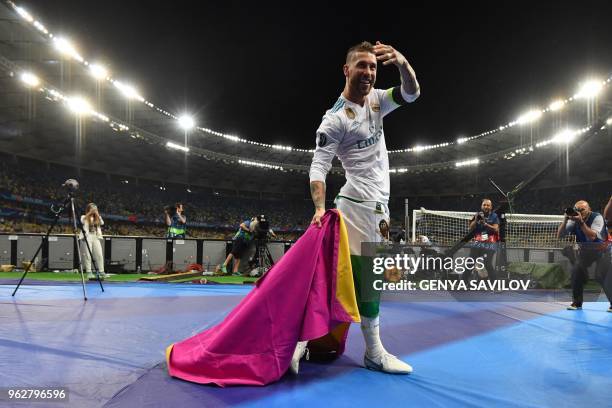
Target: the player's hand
pixel 388 55
pixel 316 218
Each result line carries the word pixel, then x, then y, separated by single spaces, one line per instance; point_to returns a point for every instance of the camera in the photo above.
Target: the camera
pixel 170 209
pixel 571 211
pixel 71 185
pixel 480 217
pixel 262 227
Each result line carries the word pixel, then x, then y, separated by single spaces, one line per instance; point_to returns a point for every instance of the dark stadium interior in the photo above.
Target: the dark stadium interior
pixel 215 105
pixel 123 163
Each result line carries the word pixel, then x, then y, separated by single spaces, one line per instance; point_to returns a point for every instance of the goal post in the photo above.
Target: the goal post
pixel 445 228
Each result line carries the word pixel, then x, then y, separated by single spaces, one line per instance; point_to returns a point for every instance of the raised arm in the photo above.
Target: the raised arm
pixel 389 55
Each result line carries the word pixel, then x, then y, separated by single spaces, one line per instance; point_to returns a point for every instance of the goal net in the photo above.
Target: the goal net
pixel 446 228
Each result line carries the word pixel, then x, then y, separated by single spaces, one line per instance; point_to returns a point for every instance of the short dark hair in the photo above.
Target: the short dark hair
pixel 177 205
pixel 363 46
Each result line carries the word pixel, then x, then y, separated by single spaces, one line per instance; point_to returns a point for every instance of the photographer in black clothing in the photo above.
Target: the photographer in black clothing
pixel 485 225
pixel 591 233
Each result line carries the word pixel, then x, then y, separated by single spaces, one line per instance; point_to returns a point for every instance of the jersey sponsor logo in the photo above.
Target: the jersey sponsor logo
pixel 322 140
pixel 362 144
pixel 376 107
pixel 350 113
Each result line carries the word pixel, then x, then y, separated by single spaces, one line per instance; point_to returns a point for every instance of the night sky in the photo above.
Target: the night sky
pixel 269 72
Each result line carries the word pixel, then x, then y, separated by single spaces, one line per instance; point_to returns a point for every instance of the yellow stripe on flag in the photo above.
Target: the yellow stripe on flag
pixel 345 288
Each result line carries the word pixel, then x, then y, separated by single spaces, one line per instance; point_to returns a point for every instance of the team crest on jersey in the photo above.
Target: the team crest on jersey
pixel 350 113
pixel 376 107
pixel 322 140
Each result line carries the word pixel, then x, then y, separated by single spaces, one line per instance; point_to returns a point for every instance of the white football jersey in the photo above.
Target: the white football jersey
pixel 355 134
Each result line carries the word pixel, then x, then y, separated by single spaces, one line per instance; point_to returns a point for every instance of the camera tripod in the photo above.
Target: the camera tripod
pixel 262 258
pixel 68 202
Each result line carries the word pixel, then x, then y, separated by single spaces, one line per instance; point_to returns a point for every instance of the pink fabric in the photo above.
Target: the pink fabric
pixel 294 301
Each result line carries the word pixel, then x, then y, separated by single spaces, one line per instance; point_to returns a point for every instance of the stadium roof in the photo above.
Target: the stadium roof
pixel 59 107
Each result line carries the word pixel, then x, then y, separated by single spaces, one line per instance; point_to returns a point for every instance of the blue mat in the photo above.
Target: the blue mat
pixel 50 337
pixel 109 351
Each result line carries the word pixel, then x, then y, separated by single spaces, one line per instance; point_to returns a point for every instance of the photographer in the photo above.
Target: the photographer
pixel 240 243
pixel 485 227
pixel 175 220
pixel 92 222
pixel 400 237
pixel 590 231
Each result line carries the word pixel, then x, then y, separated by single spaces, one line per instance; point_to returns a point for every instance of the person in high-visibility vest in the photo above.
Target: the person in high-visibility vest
pixel 176 221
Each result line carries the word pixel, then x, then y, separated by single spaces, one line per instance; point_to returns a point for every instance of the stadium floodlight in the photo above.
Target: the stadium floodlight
pixel 470 162
pixel 40 27
pixel 609 121
pixel 556 105
pixel 462 140
pixel 29 79
pixel 78 105
pixel 419 148
pixel 589 89
pixel 65 47
pixel 186 122
pixel 564 137
pixel 282 147
pixel 24 14
pixel 262 165
pixel 175 146
pixel 529 117
pixel 128 91
pixel 98 71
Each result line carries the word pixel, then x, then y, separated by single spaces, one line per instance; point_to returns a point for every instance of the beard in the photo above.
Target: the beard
pixel 361 88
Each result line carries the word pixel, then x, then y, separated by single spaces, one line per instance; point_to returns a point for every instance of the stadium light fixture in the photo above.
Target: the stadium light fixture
pixel 40 27
pixel 98 71
pixel 471 162
pixel 261 165
pixel 29 79
pixel 529 117
pixel 175 146
pixel 589 89
pixel 128 91
pixel 186 122
pixel 65 47
pixel 78 105
pixel 564 137
pixel 556 105
pixel 609 121
pixel 462 140
pixel 282 147
pixel 24 14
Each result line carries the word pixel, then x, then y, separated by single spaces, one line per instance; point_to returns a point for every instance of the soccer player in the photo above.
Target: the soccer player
pixel 353 130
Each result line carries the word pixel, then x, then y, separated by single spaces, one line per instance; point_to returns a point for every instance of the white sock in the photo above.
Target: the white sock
pixel 370 327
